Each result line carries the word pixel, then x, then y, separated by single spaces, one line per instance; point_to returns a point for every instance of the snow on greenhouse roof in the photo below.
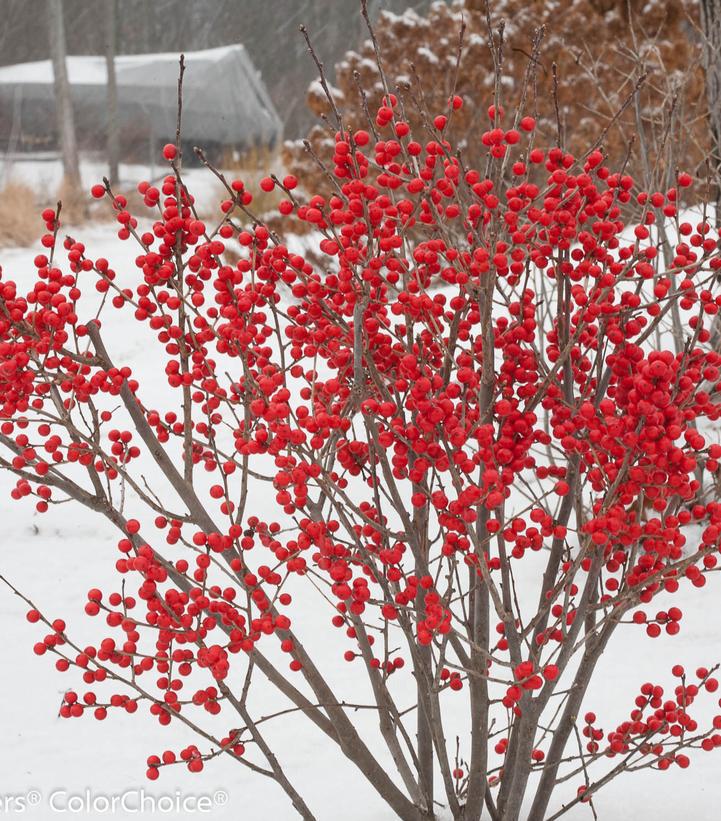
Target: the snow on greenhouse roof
pixel 91 70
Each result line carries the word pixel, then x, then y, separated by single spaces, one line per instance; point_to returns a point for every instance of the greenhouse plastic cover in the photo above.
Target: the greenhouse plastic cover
pixel 224 99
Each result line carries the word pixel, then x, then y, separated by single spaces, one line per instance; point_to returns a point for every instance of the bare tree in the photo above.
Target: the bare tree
pixel 711 26
pixel 63 101
pixel 113 137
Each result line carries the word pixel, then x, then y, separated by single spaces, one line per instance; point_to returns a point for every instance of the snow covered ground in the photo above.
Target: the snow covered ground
pixel 43 173
pixel 56 557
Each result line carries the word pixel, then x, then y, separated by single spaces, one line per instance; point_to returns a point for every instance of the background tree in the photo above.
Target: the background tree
pixel 711 27
pixel 113 133
pixel 63 99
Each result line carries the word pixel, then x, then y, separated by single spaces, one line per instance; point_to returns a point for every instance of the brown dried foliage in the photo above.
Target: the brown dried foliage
pixel 19 224
pixel 600 49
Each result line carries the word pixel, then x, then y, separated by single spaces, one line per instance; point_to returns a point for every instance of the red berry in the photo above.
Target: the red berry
pixel 550 672
pixel 528 123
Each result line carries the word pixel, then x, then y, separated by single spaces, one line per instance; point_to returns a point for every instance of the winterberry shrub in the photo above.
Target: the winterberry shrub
pixel 462 454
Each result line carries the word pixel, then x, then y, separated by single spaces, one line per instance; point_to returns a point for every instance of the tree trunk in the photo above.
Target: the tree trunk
pixel 63 101
pixel 424 732
pixel 711 25
pixel 113 137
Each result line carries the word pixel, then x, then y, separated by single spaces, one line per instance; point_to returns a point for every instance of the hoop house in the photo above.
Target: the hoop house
pixel 225 102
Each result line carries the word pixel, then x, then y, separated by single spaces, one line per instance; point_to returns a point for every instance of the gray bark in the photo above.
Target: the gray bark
pixel 63 101
pixel 113 137
pixel 711 25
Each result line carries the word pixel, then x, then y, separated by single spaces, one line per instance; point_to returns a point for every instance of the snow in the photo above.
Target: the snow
pixel 56 557
pixel 408 17
pixel 92 70
pixel 316 89
pixel 475 39
pixel 428 55
pixel 43 173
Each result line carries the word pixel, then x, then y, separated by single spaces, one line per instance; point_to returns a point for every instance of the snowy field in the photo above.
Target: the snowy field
pixel 54 558
pixel 44 174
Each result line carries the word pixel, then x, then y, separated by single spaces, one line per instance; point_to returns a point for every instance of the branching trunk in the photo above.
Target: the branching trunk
pixel 424 734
